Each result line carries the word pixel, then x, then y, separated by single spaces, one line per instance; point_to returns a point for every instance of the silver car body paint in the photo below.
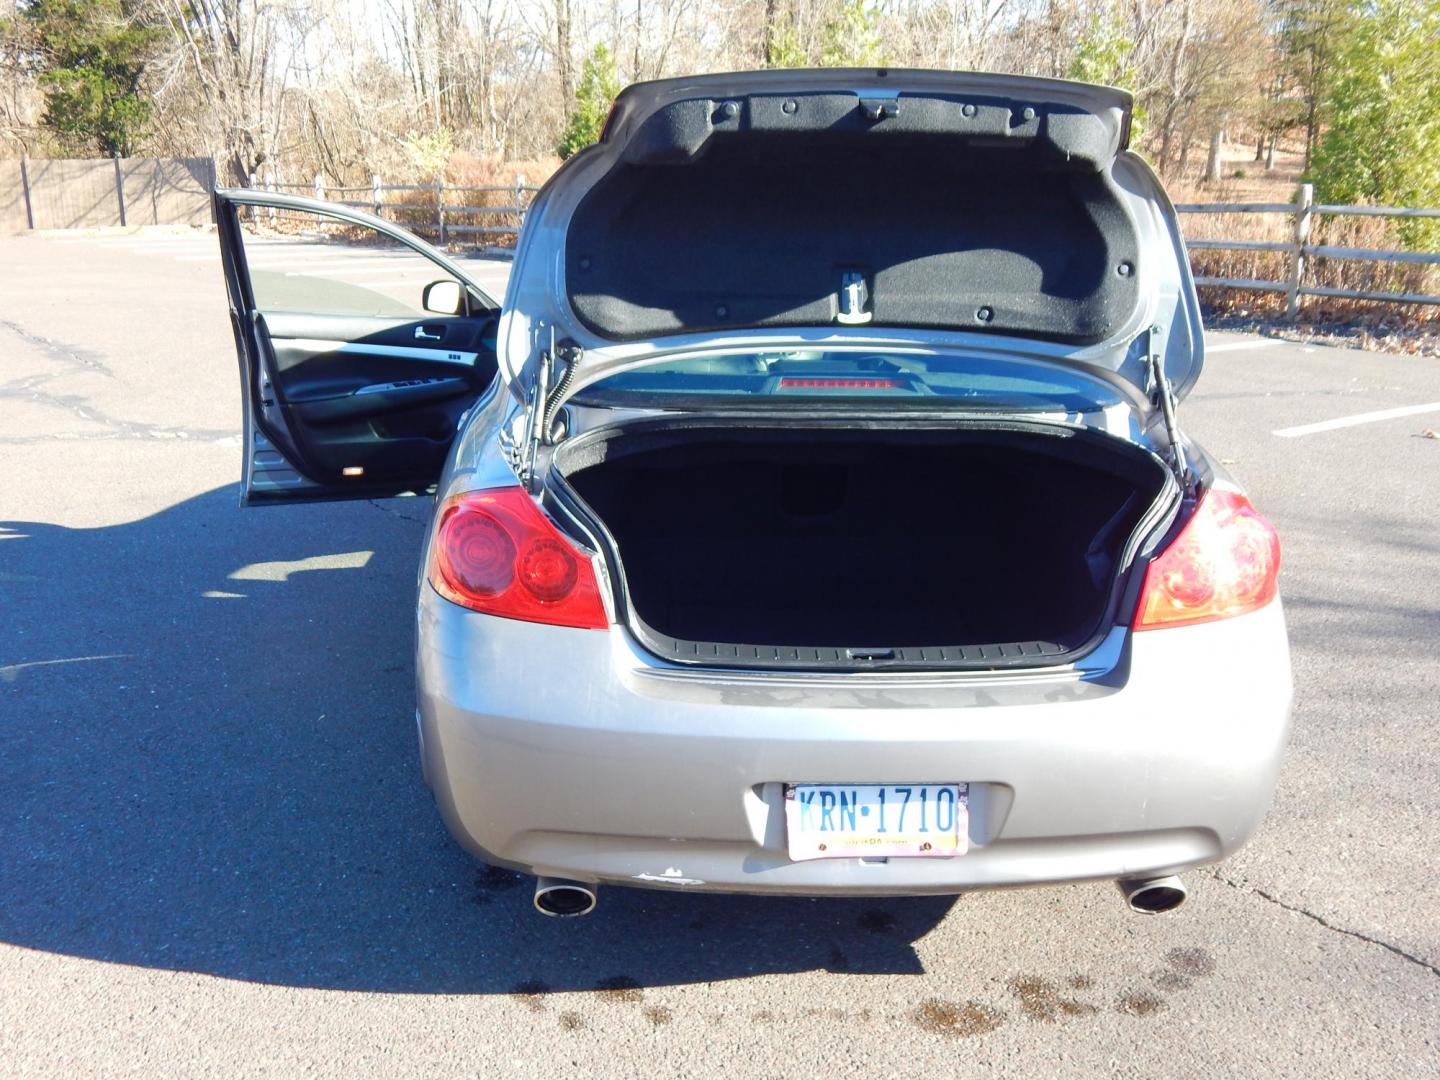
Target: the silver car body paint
pixel 573 753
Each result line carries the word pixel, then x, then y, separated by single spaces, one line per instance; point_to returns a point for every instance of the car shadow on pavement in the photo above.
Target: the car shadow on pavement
pixel 208 760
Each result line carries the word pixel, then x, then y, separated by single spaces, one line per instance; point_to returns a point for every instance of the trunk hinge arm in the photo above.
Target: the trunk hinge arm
pixel 1157 385
pixel 540 407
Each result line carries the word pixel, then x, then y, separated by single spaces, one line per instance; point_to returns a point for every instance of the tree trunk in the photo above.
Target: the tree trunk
pixel 1311 135
pixel 1212 162
pixel 1260 147
pixel 1270 154
pixel 240 174
pixel 564 61
pixel 639 20
pixel 1312 117
pixel 767 43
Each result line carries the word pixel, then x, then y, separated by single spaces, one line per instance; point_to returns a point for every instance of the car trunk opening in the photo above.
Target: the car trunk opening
pixel 852 548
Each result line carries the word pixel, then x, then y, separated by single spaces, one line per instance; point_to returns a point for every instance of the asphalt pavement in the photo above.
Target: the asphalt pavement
pixel 216 853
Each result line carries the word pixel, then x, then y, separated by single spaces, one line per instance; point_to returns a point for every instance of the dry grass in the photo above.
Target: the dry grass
pixel 1409 327
pixel 417 209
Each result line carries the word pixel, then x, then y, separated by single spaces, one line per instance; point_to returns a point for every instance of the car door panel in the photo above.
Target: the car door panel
pixel 343 404
pixel 384 402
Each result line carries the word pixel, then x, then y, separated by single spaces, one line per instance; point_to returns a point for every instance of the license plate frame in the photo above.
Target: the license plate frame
pixel 876 821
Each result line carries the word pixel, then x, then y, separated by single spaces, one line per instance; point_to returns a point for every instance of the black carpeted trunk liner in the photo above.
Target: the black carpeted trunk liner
pixel 865 539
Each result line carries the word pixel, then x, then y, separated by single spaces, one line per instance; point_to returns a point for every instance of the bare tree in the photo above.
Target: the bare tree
pixel 344 89
pixel 20 98
pixel 230 75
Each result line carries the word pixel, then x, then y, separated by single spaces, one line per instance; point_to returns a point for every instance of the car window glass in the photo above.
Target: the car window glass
pixel 825 374
pixel 305 262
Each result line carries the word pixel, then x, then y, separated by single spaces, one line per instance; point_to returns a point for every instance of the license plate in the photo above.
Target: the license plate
pixel 847 821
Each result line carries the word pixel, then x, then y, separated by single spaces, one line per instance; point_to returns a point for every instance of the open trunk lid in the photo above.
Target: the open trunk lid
pixel 856 206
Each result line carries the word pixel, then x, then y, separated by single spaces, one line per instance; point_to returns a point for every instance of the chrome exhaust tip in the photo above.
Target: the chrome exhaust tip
pixel 1153 896
pixel 562 899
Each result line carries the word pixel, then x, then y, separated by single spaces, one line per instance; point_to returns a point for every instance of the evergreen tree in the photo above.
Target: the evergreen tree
pixel 849 37
pixel 1105 53
pixel 1309 32
pixel 599 83
pixel 93 55
pixel 1383 140
pixel 783 49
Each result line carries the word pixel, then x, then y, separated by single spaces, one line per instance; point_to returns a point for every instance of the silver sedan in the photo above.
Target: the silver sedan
pixel 814 515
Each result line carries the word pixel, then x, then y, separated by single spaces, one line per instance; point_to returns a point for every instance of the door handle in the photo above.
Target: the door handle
pixel 424 333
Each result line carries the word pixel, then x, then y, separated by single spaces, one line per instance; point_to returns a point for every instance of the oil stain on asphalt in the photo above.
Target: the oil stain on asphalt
pixel 1140 1003
pixel 966 1019
pixel 532 993
pixel 1039 1000
pixel 621 989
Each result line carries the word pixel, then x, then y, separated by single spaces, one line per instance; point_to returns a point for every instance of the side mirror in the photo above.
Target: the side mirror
pixel 444 298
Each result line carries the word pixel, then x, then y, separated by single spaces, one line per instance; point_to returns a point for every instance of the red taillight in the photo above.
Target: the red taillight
pixel 794 382
pixel 1224 562
pixel 496 552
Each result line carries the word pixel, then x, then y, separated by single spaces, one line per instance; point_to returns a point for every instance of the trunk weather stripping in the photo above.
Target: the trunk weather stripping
pixel 1157 385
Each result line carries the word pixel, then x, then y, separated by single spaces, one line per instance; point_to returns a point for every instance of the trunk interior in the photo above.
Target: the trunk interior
pixel 810 546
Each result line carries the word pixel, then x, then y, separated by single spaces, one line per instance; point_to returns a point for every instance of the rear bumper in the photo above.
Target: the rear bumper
pixel 564 752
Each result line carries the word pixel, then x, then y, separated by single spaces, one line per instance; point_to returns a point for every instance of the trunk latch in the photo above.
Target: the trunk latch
pixel 870 654
pixel 876 107
pixel 852 300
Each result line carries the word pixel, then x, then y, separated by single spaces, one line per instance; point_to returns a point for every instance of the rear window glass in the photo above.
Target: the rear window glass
pixel 907 377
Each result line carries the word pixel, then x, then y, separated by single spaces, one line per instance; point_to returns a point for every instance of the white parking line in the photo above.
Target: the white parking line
pixel 341 270
pixel 275 252
pixel 332 268
pixel 162 249
pixel 1358 418
pixel 1235 346
pixel 118 241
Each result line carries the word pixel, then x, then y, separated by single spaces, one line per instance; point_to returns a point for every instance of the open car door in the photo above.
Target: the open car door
pixel 361 347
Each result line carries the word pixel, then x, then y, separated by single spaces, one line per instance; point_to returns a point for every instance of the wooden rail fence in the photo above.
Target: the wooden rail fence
pixel 1300 251
pixel 433 214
